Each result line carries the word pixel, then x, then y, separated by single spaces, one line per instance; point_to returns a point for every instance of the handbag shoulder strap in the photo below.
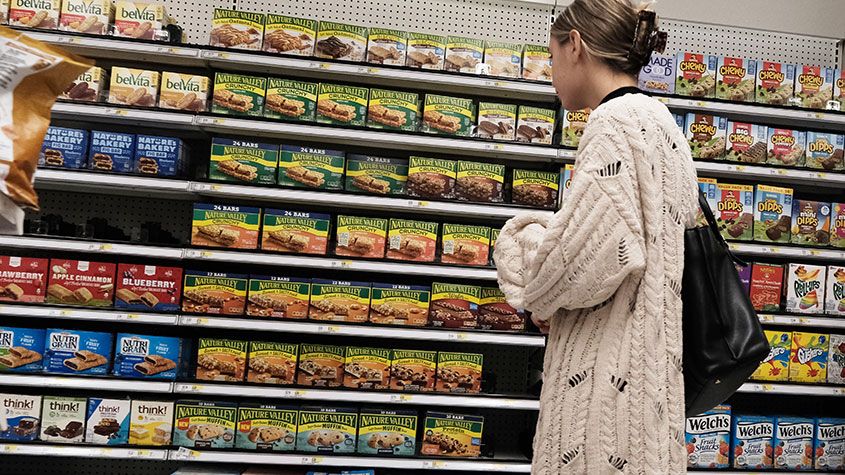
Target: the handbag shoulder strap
pixel 714 228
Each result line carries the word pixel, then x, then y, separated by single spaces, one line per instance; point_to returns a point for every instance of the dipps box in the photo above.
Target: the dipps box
pixel 772 213
pixel 810 223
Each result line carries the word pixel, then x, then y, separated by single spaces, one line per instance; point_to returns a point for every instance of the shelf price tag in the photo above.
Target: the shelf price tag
pixel 495 146
pixel 342 264
pixel 67 40
pixel 114 111
pixel 184 453
pixel 434 464
pixel 767 318
pixel 401 398
pixel 328 329
pixel 311 460
pixel 195 388
pixel 10 448
pixel 456 336
pixel 767 387
pixel 127 316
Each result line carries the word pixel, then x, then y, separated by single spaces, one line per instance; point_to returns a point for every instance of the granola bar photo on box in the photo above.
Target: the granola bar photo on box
pixel 272 363
pixel 221 359
pixel 572 127
pixel 707 135
pixel 86 283
pixel 298 232
pixel 387 46
pixel 393 110
pixel 28 14
pixel 236 29
pixel 340 301
pixel 361 237
pixel 307 167
pixel 236 94
pixel 289 35
pixel 233 227
pixel 426 51
pixel 696 75
pixel 342 105
pixel 735 79
pixel 480 181
pixel 23 279
pixel 146 287
pixel 447 115
pixel 290 100
pixel 454 305
pixel 278 297
pixel 463 54
pixel 396 304
pixel 536 63
pixel 786 147
pixel 243 161
pixel 775 83
pixel 432 177
pixel 658 75
pixel 814 86
pixel 183 91
pixel 503 59
pixel 496 121
pixel 341 41
pixel 459 372
pixel 214 292
pixel 746 142
pixel 465 245
pixel 378 175
pixel 412 240
pixel 320 365
pixel 413 370
pixel 535 125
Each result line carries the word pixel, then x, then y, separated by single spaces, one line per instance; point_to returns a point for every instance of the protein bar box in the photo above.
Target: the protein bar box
pixel 658 75
pixel 236 29
pixel 775 83
pixel 361 237
pixel 160 156
pixel 83 16
pixel 266 427
pixel 77 352
pixel 21 350
pixel 393 110
pixel 426 51
pixel 735 79
pixel 412 240
pixel 278 297
pixel 20 417
pixel 696 75
pixel 465 245
pixel 272 362
pixel 23 279
pixel 378 175
pixel 140 20
pixel 387 46
pixel 144 287
pixel 64 148
pixel 535 125
pixel 327 430
pixel 320 365
pixel 107 421
pixel 341 41
pixel 396 304
pixel 289 35
pixel 366 368
pixel 89 86
pixel 183 92
pixel 413 370
pixel 134 87
pixel 232 227
pixel 28 14
pixel 242 161
pixel 338 300
pixel 448 115
pixel 298 232
pixel 144 356
pixel 81 283
pixel 151 423
pixel 452 435
pixel 496 121
pixel 387 432
pixel 463 54
pixel 221 359
pixel 63 419
pixel 111 152
pixel 342 105
pixel 307 167
pixel 291 100
pixel 214 292
pixel 454 305
pixel 205 424
pixel 237 94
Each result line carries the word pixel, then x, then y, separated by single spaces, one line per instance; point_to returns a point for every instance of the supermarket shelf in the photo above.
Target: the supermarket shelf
pixel 38 311
pixel 102 183
pixel 794 117
pixel 111 48
pixel 340 329
pixel 803 320
pixel 83 451
pixel 769 250
pixel 792 389
pixel 771 174
pixel 354 396
pixel 124 115
pixel 85 383
pixel 61 244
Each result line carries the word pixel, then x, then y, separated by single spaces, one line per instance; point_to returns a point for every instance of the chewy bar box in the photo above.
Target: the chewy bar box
pixel 143 287
pixel 829 444
pixel 23 279
pixel 81 16
pixel 808 358
pixel 183 92
pixel 776 365
pixel 452 435
pixel 205 424
pixel 734 211
pixel 214 292
pixel 341 41
pixel 387 46
pixel 786 147
pixel 825 151
pixel 221 360
pixel 393 110
pixel 426 51
pixel 772 213
pixel 387 432
pixel 707 135
pixel 537 189
pixel 307 167
pixel 327 430
pixel 278 297
pixel 342 105
pixel 572 127
pixel 266 427
pixel 21 350
pixel 810 223
pixel 535 125
pixel 412 240
pixel 658 75
pixel 459 372
pixel 463 54
pixel 378 175
pixel 242 161
pixel 536 63
pixel 28 14
pixel 746 142
pixel 696 75
pixel 502 59
pixel 63 419
pixel 735 79
pixel 448 115
pixel 161 156
pixel 837 225
pixel 479 181
pixel 432 177
pixel 111 152
pixel 340 301
pixel 133 87
pixel 88 86
pixel 290 100
pixel 236 29
pixel 289 35
pixel 766 287
pixel 835 290
pixel 775 83
pixel 236 94
pixel 814 86
pixel 805 287
pixel 495 313
pixel 151 423
pixel 77 352
pixel 108 421
pixel 64 148
pixel 144 356
pixel 496 121
pixel 454 305
pixel 366 368
pixel 839 88
pixel 81 283
pixel 320 365
pixel 140 20
pixel 272 362
pixel 752 442
pixel 396 304
pixel 465 245
pixel 836 360
pixel 233 227
pixel 300 232
pixel 793 443
pixel 361 237
pixel 20 417
pixel 413 370
pixel 708 438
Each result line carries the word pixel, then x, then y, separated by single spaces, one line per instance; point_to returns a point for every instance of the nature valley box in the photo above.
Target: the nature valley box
pixel 503 59
pixel 290 100
pixel 289 35
pixel 86 16
pixel 366 368
pixel 386 433
pixel 279 297
pixel 387 46
pixel 327 430
pixel 454 305
pixel 311 167
pixel 320 366
pixel 236 29
pixel 393 110
pixel 466 245
pixel 808 358
pixel 214 292
pixel 340 301
pixel 412 240
pixel 496 121
pixel 480 181
pixel 342 105
pixel 295 231
pixel 447 115
pixel 133 87
pixel 341 41
pixel 379 175
pixel 413 370
pixel 537 63
pixel 236 94
pixel 272 362
pixel 459 372
pixel 463 54
pixel 395 304
pixel 232 227
pixel 426 51
pixel 538 189
pixel 183 92
pixel 452 435
pixel 266 427
pixel 431 177
pixel 205 424
pixel 361 237
pixel 221 360
pixel 495 313
pixel 535 125
pixel 243 161
pixel 776 365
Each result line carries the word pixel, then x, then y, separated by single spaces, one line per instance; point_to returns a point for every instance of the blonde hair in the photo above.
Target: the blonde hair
pixel 607 29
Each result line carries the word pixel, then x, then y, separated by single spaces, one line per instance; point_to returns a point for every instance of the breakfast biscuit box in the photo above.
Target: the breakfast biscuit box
pixel 266 427
pixel 447 115
pixel 86 16
pixel 20 417
pixel 454 305
pixel 341 41
pixel 299 232
pixel 205 424
pixel 535 125
pixel 772 213
pixel 387 432
pixel 465 245
pixel 289 35
pixel 708 438
pixel 412 240
pixel 236 29
pixel 658 75
pixel 752 438
pixel 459 372
pixel 81 283
pixel 64 148
pixel 413 370
pixel 42 14
pixel 290 100
pixel 148 357
pixel 393 110
pixel 814 86
pixel 327 430
pixel 836 360
pixel 378 175
pixel 361 237
pixel 810 223
pixel 366 368
pixel 503 59
pixel 340 301
pixel 496 121
pixel 735 79
pixel 111 152
pixel 829 444
pixel 243 161
pixel 183 92
pixel 21 350
pixel 776 365
pixel 307 167
pixel 786 147
pixel 151 423
pixel 452 435
pixel 463 54
pixel 805 288
pixel 396 304
pixel 775 83
pixel 160 156
pixel 696 75
pixel 134 87
pixel 63 419
pixel 108 421
pixel 278 297
pixel 320 366
pixel 387 46
pixel 835 291
pixel 233 227
pixel 143 287
pixel 536 63
pixel 793 443
pixel 139 20
pixel 707 136
pixel 734 211
pixel 746 142
pixel 271 362
pixel 342 105
pixel 837 225
pixel 88 86
pixel 23 279
pixel 77 352
pixel 236 94
pixel 825 151
pixel 808 357
pixel 425 51
pixel 766 287
pixel 221 360
pixel 432 177
pixel 214 292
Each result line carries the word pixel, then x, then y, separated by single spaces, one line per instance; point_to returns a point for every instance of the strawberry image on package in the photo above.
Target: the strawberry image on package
pixel 81 283
pixel 143 287
pixel 23 279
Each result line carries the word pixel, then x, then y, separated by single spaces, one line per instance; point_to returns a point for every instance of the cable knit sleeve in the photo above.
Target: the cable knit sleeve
pixel 578 257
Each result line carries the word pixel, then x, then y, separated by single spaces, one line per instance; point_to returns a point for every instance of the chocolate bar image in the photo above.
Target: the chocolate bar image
pixel 26 427
pixel 429 184
pixel 13 291
pixel 373 185
pixel 238 170
pixel 71 430
pixel 526 133
pixel 361 244
pixel 233 101
pixel 61 293
pixel 442 122
pixel 106 427
pixel 127 296
pixel 285 106
pixel 332 109
pixel 333 47
pixel 219 234
pixel 386 116
pixel 292 241
pixel 305 176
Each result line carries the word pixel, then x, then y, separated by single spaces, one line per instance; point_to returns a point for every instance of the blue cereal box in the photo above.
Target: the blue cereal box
pixel 63 147
pixel 77 352
pixel 142 356
pixel 824 151
pixel 708 438
pixel 772 213
pixel 658 75
pixel 830 444
pixel 19 416
pixel 111 152
pixel 161 156
pixel 21 349
pixel 752 442
pixel 108 421
pixel 793 443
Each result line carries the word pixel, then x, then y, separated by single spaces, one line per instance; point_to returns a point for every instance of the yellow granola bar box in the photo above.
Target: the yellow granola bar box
pixel 183 91
pixel 452 435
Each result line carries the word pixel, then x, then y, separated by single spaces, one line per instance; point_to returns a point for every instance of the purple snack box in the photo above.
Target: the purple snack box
pixel 745 276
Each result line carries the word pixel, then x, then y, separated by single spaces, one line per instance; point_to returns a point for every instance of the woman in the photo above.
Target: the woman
pixel 603 275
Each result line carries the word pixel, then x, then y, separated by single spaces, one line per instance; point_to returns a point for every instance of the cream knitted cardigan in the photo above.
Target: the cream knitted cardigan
pixel 605 271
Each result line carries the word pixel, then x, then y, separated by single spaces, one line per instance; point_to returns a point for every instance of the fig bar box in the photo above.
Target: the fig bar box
pixel 23 279
pixel 160 156
pixel 379 175
pixel 534 188
pixel 735 79
pixel 395 304
pixel 77 352
pixel 20 417
pixel 64 148
pixel 387 46
pixel 503 59
pixel 151 423
pixel 387 433
pixel 495 313
pixel 496 121
pixel 463 54
pixel 459 372
pixel 808 358
pixel 454 305
pixel 766 287
pixel 810 223
pixel 814 86
pixel 658 75
pixel 366 368
pixel 836 360
pixel 393 110
pixel 21 350
pixel 295 231
pixel 775 83
pixel 793 443
pixel 28 14
pixel 214 292
pixel 236 29
pixel 111 152
pixel 289 35
pixel 805 288
pixel 837 225
pixel 465 245
pixel 786 147
pixel 413 370
pixel 266 427
pixel 825 151
pixel 221 360
pixel 272 363
pixel 342 105
pixel 236 94
pixel 572 127
pixel 708 438
pixel 233 227
pixel 86 283
pixel 290 100
pixel 183 92
pixel 776 365
pixel 707 135
pixel 772 213
pixel 752 438
pixel 278 297
pixel 63 419
pixel 432 177
pixel 412 240
pixel 107 421
pixel 311 167
pixel 327 430
pixel 149 357
pixel 340 301
pixel 143 287
pixel 537 63
pixel 535 125
pixel 447 115
pixel 746 142
pixel 140 20
pixel 320 366
pixel 696 75
pixel 734 211
pixel 341 41
pixel 426 51
pixel 205 424
pixel 361 237
pixel 82 16
pixel 830 444
pixel 452 435
pixel 835 291
pixel 242 161
pixel 134 87
pixel 88 86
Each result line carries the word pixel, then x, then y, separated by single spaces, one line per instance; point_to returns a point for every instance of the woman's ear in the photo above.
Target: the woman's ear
pixel 575 46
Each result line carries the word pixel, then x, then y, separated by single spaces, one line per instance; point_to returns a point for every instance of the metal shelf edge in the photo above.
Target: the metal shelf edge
pixel 791 389
pixel 40 380
pixel 58 450
pixel 822 321
pixel 104 315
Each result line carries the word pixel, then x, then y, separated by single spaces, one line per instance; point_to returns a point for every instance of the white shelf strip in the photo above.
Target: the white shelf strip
pixel 85 383
pixel 792 389
pixel 73 180
pixel 58 450
pixel 769 250
pixel 804 321
pixel 59 244
pixel 807 117
pixel 770 174
pixel 151 118
pixel 105 315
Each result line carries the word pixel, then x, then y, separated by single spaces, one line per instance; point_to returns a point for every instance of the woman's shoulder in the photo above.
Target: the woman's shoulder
pixel 634 111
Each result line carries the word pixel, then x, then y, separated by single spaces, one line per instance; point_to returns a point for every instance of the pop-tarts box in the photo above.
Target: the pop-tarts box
pixel 708 438
pixel 77 352
pixel 793 443
pixel 658 75
pixel 829 444
pixel 143 356
pixel 751 447
pixel 108 421
pixel 20 417
pixel 161 156
pixel 64 148
pixel 111 151
pixel 21 350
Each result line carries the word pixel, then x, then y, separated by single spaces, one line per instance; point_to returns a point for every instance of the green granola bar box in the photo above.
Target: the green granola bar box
pixel 290 100
pixel 480 181
pixel 379 175
pixel 342 105
pixel 266 427
pixel 236 94
pixel 243 161
pixel 447 115
pixel 307 167
pixel 393 110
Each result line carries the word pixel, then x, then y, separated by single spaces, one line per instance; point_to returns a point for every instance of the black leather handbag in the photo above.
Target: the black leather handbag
pixel 723 339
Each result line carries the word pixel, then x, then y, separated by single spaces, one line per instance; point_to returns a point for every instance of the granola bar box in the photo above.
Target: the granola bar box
pixel 463 54
pixel 410 240
pixel 63 419
pixel 21 350
pixel 214 292
pixel 183 91
pixel 387 432
pixel 77 352
pixel 459 372
pixel 503 59
pixel 397 304
pixel 772 213
pixel 290 100
pixel 86 283
pixel 805 286
pixel 386 46
pixel 413 370
pixel 735 79
pixel 272 362
pixel 236 29
pixel 572 127
pixel 342 105
pixel 21 417
pixel 425 51
pixel 839 88
pixel 446 115
pixel 341 41
pixel 299 232
pixel 327 430
pixel 810 223
pixel 538 189
pixel 145 287
pixel 707 135
pixel 432 177
pixel 393 110
pixel 786 147
pixel 289 35
pixel 495 313
pixel 696 75
pixel 658 75
pixel 205 424
pixel 64 148
pixel 825 151
pixel 361 237
pixel 775 83
pixel 340 301
pixel 243 161
pixel 111 152
pixel 536 63
pixel 734 211
pixel 108 421
pixel 232 227
pixel 159 156
pixel 496 121
pixel 454 305
pixel 837 225
pixel 134 87
pixel 221 360
pixel 278 297
pixel 766 287
pixel 320 366
pixel 834 291
pixel 23 279
pixel 366 368
pixel 746 142
pixel 465 245
pixel 535 125
pixel 148 357
pixel 480 181
pixel 237 94
pixel 378 175
pixel 814 86
pixel 452 435
pixel 307 167
pixel 266 427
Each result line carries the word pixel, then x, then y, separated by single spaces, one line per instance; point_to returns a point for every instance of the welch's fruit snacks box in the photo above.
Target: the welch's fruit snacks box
pixel 829 444
pixel 708 438
pixel 752 442
pixel 793 443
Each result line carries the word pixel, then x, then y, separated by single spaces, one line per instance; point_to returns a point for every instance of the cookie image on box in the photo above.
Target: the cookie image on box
pixel 86 16
pixel 776 365
pixel 134 87
pixel 289 35
pixel 708 438
pixel 535 125
pixel 327 430
pixel 278 297
pixel 183 92
pixel 26 14
pixel 64 148
pixel 140 20
pixel 111 152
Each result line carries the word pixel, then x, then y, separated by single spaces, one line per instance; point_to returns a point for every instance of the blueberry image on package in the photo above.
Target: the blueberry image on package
pixel 142 356
pixel 111 152
pixel 161 156
pixel 64 148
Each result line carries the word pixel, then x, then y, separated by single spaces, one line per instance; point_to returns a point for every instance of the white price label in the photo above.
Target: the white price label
pixel 114 111
pixel 328 329
pixel 67 40
pixel 10 448
pixel 311 460
pixel 184 454
pixel 495 146
pixel 342 264
pixel 767 318
pixel 401 398
pixel 456 336
pixel 127 316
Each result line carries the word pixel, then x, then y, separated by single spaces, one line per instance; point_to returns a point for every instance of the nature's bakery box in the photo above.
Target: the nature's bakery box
pixel 23 279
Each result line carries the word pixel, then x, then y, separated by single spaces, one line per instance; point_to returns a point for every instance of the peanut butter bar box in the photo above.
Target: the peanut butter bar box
pixel 214 292
pixel 221 360
pixel 278 297
pixel 340 301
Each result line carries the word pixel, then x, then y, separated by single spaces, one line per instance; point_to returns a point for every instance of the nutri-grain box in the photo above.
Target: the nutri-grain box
pixel 183 91
pixel 448 115
pixel 77 352
pixel 503 59
pixel 835 290
pixel 23 279
pixel 237 94
pixel 21 350
pixel 278 297
pixel 805 288
pixel 327 430
pixel 837 225
pixel 459 372
pixel 707 135
pixel 410 240
pixel 266 427
pixel 214 292
pixel 658 75
pixel 366 368
pixel 221 360
pixel 735 79
pixel 766 287
pixel 696 75
pixel 151 423
pixel 829 445
pixel 308 167
pixel 243 161
pixel 81 283
pixel 836 360
pixel 413 370
pixel 387 46
pixel 495 313
pixel 205 424
pixel 233 227
pixel 775 83
pixel 746 142
pixel 463 54
pixel 236 29
pixel 734 211
pixel 825 151
pixel 536 63
pixel 342 105
pixel 289 35
pixel 295 231
pixel 143 287
pixel 338 300
pixel 808 357
pixel 290 100
pixel 452 435
pixel 454 305
pixel 379 175
pixel 814 86
pixel 63 419
pixel 320 365
pixel 776 365
pixel 426 51
pixel 752 442
pixel 431 177
pixel 20 417
pixel 793 443
pixel 708 438
pixel 396 304
pixel 341 41
pixel 361 237
pixel 386 433
pixel 810 223
pixel 272 362
pixel 786 147
pixel 144 356
pixel 134 87
pixel 772 213
pixel 465 245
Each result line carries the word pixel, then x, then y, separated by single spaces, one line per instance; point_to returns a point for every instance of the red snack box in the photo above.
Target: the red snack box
pixel 23 279
pixel 766 285
pixel 86 283
pixel 142 287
